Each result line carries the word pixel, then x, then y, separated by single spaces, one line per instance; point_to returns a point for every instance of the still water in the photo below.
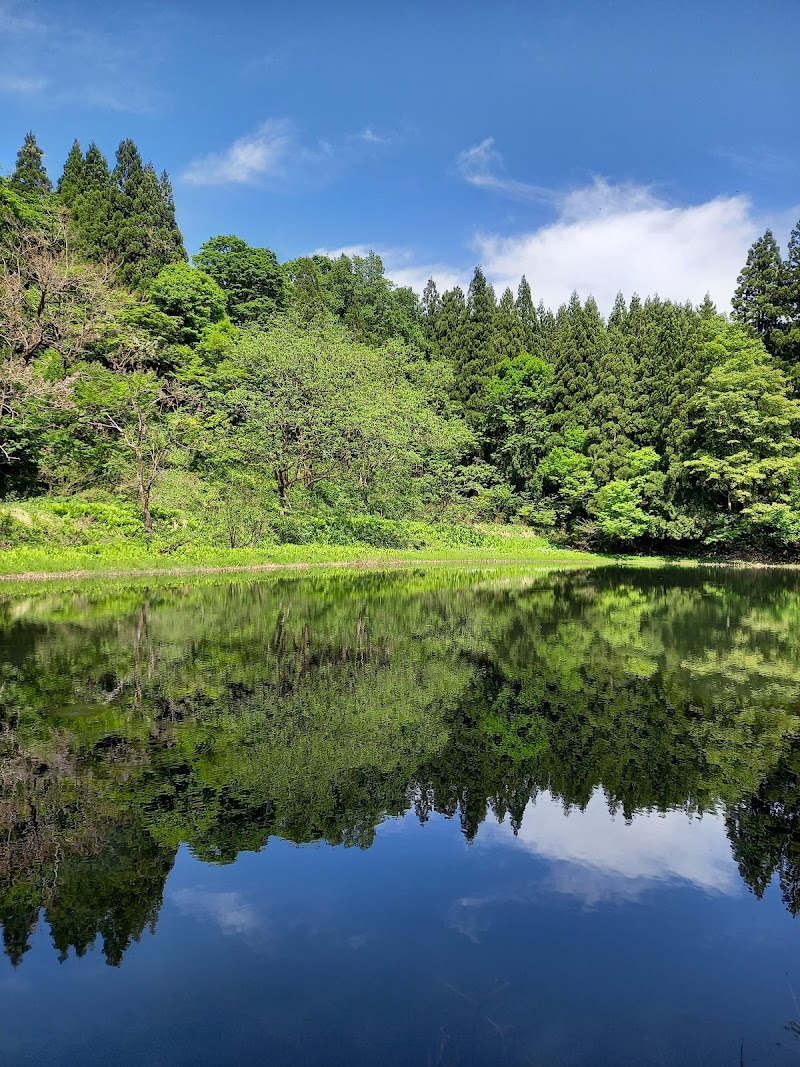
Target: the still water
pixel 423 817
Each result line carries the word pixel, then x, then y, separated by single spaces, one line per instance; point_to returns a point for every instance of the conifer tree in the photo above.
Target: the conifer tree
pixel 146 235
pixel 451 325
pixel 671 365
pixel 757 301
pixel 510 337
pixel 546 332
pixel 96 174
pixel 579 345
pixel 594 342
pixel 172 232
pixel 526 313
pixel 787 337
pixel 431 308
pixel 612 406
pixel 618 318
pixel 92 205
pixel 70 184
pixel 635 327
pixel 792 272
pixel 476 356
pixel 30 177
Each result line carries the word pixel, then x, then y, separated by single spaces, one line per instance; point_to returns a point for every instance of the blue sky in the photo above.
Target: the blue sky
pixel 594 145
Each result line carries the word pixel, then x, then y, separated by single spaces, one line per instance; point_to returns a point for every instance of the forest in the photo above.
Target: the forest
pixel 237 401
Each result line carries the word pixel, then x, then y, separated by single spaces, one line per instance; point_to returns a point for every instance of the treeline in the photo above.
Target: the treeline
pixel 229 397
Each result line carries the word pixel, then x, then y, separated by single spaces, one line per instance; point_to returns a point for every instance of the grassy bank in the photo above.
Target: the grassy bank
pixel 22 563
pixel 73 538
pixel 51 537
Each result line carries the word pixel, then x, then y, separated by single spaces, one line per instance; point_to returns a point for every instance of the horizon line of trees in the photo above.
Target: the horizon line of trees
pixel 318 384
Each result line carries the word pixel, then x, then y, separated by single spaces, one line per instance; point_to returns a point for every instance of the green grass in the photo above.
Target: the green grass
pixel 113 558
pixel 75 537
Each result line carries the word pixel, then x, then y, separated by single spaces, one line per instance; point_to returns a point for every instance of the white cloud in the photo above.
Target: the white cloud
pixel 276 152
pixel 228 911
pixel 480 165
pixel 22 86
pixel 401 267
pixel 605 238
pixel 84 65
pixel 264 153
pixel 369 136
pixel 608 238
pixel 19 24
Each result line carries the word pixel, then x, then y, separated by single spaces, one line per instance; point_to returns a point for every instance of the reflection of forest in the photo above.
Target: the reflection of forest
pixel 221 714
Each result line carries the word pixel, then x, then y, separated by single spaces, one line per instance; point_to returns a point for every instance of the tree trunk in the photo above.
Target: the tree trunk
pixel 144 500
pixel 282 478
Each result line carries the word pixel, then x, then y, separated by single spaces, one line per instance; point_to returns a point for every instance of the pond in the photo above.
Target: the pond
pixel 434 817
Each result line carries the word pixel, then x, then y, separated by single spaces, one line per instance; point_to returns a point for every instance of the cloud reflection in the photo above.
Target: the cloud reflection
pixel 597 856
pixel 229 911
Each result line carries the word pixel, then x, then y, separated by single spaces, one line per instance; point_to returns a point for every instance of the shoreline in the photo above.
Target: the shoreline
pixel 371 562
pixel 365 563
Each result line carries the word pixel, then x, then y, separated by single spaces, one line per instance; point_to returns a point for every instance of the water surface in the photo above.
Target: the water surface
pixel 435 818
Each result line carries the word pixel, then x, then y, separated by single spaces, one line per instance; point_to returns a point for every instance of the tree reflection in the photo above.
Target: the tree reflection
pixel 222 714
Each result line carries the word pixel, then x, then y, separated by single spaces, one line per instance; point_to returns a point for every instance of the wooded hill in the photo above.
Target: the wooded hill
pixel 237 400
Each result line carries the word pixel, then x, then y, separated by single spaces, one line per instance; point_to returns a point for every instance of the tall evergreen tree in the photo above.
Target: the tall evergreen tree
pixel 612 406
pixel 618 318
pixel 431 308
pixel 172 234
pixel 30 177
pixel 787 336
pixel 545 345
pixel 96 174
pixel 70 184
pixel 146 234
pixel 635 326
pixel 92 204
pixel 451 325
pixel 476 357
pixel 526 313
pixel 580 343
pixel 510 335
pixel 757 301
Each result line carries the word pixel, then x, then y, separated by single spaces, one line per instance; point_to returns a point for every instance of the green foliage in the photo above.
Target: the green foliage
pixel 566 473
pixel 516 427
pixel 17 210
pixel 250 278
pixel 745 449
pixel 618 514
pixel 190 297
pixel 314 407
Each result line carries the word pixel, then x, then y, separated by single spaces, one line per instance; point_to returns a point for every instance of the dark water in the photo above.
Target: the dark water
pixel 419 818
